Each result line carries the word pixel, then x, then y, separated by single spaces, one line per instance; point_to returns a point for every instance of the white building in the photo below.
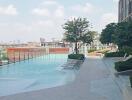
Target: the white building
pixel 96 44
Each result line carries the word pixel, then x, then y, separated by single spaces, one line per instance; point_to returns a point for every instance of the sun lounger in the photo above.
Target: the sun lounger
pixel 124 73
pixel 126 58
pixel 71 63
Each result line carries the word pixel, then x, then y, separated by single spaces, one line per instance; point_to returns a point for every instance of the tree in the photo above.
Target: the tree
pixel 107 35
pixel 123 36
pixel 77 30
pixel 119 34
pixel 88 37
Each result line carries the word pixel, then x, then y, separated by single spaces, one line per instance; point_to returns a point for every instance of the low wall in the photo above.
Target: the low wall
pixel 58 50
pixel 19 54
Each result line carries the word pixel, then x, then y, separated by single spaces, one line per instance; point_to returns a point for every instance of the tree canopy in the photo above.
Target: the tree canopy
pixel 107 35
pixel 77 30
pixel 118 33
pixel 123 36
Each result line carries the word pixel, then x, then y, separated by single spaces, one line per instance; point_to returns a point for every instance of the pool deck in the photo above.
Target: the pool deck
pixel 93 82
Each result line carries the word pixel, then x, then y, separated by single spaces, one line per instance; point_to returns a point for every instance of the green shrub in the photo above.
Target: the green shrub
pixel 4 57
pixel 123 65
pixel 130 78
pixel 104 52
pixel 128 50
pixel 76 56
pixel 115 54
pixel 91 50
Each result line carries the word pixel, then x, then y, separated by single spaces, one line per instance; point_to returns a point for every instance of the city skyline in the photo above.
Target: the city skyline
pixel 28 20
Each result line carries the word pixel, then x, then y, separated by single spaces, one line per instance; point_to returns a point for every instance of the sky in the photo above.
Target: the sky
pixel 28 20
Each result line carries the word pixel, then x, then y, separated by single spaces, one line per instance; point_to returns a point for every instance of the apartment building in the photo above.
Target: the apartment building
pixel 125 10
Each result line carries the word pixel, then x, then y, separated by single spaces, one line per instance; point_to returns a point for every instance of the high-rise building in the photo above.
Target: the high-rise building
pixel 125 10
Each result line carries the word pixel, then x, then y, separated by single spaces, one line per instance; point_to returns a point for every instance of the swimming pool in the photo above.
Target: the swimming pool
pixel 34 74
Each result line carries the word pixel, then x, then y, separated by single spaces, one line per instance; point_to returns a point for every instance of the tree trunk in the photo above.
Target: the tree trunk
pixel 80 46
pixel 76 49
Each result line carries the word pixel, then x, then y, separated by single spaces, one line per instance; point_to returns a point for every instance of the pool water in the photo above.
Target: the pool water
pixel 34 74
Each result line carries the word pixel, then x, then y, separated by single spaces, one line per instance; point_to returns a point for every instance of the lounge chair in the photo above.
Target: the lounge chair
pixel 126 58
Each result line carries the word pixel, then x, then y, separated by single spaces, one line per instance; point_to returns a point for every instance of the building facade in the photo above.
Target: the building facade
pixel 96 44
pixel 125 10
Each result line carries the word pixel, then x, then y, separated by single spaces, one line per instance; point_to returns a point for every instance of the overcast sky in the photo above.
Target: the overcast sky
pixel 28 20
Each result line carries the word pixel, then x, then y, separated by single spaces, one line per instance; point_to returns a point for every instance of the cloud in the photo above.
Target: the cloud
pixel 49 8
pixel 32 31
pixel 108 18
pixel 8 10
pixel 88 8
pixel 105 19
pixel 43 23
pixel 41 12
pixel 116 1
pixel 48 16
pixel 50 2
pixel 59 12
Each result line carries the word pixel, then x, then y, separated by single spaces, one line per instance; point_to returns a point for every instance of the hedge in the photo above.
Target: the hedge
pixel 4 57
pixel 91 50
pixel 104 52
pixel 123 65
pixel 115 54
pixel 76 56
pixel 128 50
